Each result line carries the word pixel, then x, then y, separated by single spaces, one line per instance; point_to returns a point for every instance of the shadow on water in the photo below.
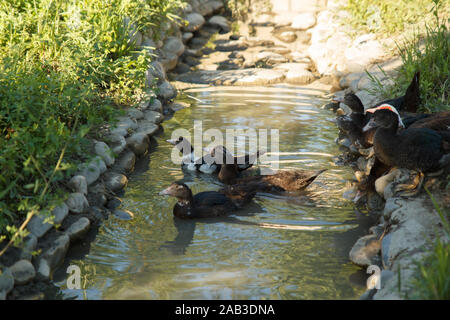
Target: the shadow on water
pixel 281 246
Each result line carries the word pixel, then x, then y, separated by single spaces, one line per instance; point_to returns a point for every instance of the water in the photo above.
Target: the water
pixel 280 247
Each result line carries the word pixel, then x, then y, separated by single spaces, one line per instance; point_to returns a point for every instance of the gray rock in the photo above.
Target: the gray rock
pixel 270 58
pixel 77 203
pixel 138 143
pixel 37 226
pixel 117 143
pixel 147 127
pixel 103 151
pixel 182 68
pixel 386 275
pixel 368 295
pixel 23 272
pixel 174 45
pixel 187 36
pixel 153 116
pixel 92 170
pixel 96 195
pixel 235 45
pixel 156 70
pixel 78 229
pixel 195 21
pixel 166 91
pixel 297 73
pixel 156 105
pixel 205 9
pixel 135 114
pixel 6 282
pixel 304 21
pixel 176 106
pixel 52 258
pixel 78 184
pixel 125 162
pixel 365 251
pixel 221 22
pixel 123 214
pixel 216 5
pixel 390 206
pixel 168 60
pixel 114 203
pixel 115 181
pixel 29 245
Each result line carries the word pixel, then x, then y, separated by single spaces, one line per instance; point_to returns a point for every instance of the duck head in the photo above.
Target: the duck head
pixel 178 190
pixel 353 102
pixel 382 118
pixel 182 144
pixel 390 108
pixel 221 155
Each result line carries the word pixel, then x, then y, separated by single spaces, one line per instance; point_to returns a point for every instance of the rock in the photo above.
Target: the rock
pixel 103 150
pixel 351 81
pixel 123 214
pixel 156 105
pixel 235 45
pixel 390 206
pixel 117 143
pixel 78 229
pixel 216 5
pixel 191 61
pixel 148 45
pixel 198 42
pixel 168 60
pixel 156 70
pixel 303 21
pixel 147 127
pixel 37 226
pixel 23 272
pixel 365 251
pixel 51 258
pixel 138 143
pixel 78 184
pixel 77 203
pixel 366 98
pixel 386 275
pixel 96 195
pixel 205 9
pixel 182 68
pixel 287 36
pixel 153 116
pixel 297 73
pixel 368 295
pixel 115 181
pixel 187 36
pixel 176 106
pixel 123 126
pixel 6 282
pixel 125 162
pixel 195 21
pixel 29 245
pixel 166 91
pixel 114 203
pixel 362 54
pixel 174 45
pixel 270 58
pixel 134 114
pixel 221 22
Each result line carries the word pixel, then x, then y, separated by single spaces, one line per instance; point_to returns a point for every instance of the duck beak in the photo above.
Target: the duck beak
pixel 172 141
pixel 370 125
pixel 358 196
pixel 166 192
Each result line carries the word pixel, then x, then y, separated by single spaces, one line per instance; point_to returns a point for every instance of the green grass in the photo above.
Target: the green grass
pixel 66 67
pixel 429 54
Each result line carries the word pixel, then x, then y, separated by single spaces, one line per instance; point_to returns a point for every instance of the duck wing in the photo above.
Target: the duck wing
pixel 211 204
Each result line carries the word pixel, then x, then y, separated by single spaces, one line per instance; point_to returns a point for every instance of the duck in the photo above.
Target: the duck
pixel 419 149
pixel 408 102
pixel 220 155
pixel 207 204
pixel 439 121
pixel 189 160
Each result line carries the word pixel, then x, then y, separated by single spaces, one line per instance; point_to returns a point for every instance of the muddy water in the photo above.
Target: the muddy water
pixel 280 247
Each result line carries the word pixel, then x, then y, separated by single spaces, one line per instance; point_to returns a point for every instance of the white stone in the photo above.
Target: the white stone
pixel 304 21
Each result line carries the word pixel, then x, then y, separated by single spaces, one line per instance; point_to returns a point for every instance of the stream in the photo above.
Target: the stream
pixel 292 246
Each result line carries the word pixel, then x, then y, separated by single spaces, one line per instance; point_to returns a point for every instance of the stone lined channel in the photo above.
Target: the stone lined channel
pixel 280 247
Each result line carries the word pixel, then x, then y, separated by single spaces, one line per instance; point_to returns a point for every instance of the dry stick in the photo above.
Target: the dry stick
pixel 33 211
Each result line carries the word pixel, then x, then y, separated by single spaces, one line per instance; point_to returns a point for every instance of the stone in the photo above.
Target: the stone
pixel 182 68
pixel 29 245
pixel 96 195
pixel 148 45
pixel 366 98
pixel 156 70
pixel 77 203
pixel 287 36
pixel 135 114
pixel 166 91
pixel 78 184
pixel 174 45
pixel 234 45
pixel 368 295
pixel 123 214
pixel 186 36
pixel 386 275
pixel 123 126
pixel 169 60
pixel 303 21
pixel 194 22
pixel 104 152
pixel 78 229
pixel 351 81
pixel 297 73
pixel 125 162
pixel 37 226
pixel 6 282
pixel 205 9
pixel 52 257
pixel 153 116
pixel 362 54
pixel 23 272
pixel 114 203
pixel 216 5
pixel 270 58
pixel 138 143
pixel 117 143
pixel 221 22
pixel 156 105
pixel 115 181
pixel 385 243
pixel 147 127
pixel 365 251
pixel 390 206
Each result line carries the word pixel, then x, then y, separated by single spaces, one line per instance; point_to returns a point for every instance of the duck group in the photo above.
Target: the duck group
pixel 397 135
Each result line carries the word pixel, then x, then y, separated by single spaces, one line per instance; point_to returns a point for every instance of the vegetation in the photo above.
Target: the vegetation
pixel 428 54
pixel 65 68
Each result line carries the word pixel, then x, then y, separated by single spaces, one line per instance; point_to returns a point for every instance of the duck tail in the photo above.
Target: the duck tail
pixel 445 161
pixel 412 95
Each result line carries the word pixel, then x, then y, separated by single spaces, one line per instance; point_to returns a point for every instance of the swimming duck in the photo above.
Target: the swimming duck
pixel 408 102
pixel 419 149
pixel 189 160
pixel 220 155
pixel 206 204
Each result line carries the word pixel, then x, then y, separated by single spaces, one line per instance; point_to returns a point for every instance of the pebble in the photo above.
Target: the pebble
pixel 23 272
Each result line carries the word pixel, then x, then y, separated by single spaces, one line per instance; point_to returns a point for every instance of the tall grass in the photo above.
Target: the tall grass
pixel 65 68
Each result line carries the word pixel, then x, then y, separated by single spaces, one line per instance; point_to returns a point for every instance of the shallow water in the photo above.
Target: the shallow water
pixel 280 247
